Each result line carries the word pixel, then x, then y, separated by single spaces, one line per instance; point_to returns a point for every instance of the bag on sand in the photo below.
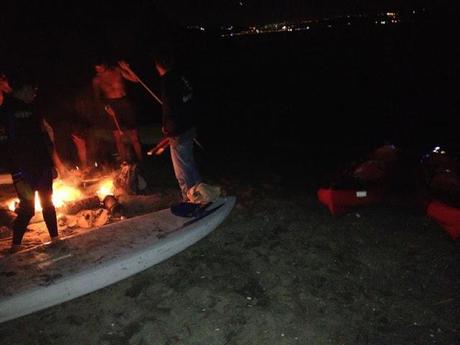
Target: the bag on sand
pixel 203 193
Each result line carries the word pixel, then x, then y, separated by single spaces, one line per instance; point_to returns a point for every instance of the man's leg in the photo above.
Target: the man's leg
pixel 135 143
pixel 80 145
pixel 45 191
pixel 120 145
pixel 184 164
pixel 25 210
pixel 126 116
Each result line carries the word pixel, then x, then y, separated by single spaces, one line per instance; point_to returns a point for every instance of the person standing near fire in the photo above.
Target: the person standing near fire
pixel 30 158
pixel 110 93
pixel 5 87
pixel 178 122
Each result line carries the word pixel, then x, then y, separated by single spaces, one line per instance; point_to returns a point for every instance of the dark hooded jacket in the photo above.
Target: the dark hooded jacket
pixel 29 148
pixel 177 94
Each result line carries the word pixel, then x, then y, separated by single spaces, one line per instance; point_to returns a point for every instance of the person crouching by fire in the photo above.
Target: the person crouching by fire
pixel 30 158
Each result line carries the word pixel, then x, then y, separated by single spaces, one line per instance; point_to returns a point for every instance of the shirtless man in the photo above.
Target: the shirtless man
pixel 109 90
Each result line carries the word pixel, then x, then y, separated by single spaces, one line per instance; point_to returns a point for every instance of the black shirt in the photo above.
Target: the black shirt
pixel 29 146
pixel 177 97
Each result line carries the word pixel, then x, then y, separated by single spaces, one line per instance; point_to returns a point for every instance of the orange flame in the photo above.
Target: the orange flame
pixel 105 188
pixel 12 204
pixel 63 193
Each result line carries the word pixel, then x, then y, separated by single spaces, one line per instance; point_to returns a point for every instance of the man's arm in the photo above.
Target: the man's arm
pixel 127 72
pixel 59 165
pixel 97 89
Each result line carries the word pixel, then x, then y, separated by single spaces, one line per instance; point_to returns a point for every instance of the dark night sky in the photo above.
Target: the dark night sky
pixel 21 19
pixel 252 11
pixel 55 20
pixel 44 29
pixel 23 14
pixel 59 38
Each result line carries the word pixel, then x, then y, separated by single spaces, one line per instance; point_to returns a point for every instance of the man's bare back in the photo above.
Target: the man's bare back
pixel 109 81
pixel 109 84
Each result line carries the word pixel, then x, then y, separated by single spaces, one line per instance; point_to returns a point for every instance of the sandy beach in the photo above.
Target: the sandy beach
pixel 279 270
pixel 278 113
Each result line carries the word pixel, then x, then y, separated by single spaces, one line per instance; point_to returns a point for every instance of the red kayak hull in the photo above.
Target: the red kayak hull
pixel 447 216
pixel 340 201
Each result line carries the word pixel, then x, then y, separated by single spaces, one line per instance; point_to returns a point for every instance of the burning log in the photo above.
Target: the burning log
pixel 89 182
pixel 84 204
pixel 113 206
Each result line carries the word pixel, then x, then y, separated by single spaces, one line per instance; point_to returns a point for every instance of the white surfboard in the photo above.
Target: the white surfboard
pixel 52 274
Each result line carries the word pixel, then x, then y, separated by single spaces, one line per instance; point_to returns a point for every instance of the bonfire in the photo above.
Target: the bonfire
pixel 85 204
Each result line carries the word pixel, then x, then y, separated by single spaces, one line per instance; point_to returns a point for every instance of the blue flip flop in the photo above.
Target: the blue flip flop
pixel 188 209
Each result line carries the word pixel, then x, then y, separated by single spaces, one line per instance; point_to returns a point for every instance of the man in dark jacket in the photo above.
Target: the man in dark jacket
pixel 178 121
pixel 30 159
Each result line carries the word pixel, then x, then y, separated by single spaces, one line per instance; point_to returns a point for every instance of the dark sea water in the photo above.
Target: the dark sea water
pixel 354 87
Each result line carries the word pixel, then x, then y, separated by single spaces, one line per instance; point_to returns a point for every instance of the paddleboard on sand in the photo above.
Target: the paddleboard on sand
pixel 51 274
